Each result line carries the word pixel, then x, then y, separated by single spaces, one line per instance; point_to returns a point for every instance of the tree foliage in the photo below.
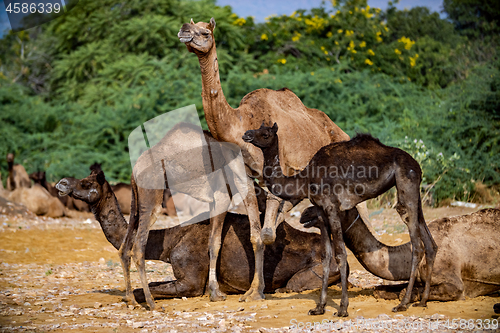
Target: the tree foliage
pixel 71 91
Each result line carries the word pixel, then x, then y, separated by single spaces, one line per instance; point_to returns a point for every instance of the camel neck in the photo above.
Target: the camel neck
pixel 387 262
pixel 10 165
pixel 294 187
pixel 216 108
pixel 108 213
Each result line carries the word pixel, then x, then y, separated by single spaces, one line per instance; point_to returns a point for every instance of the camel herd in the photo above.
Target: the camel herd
pixel 260 252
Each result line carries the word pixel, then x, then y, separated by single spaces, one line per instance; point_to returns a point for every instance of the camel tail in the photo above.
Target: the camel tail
pixel 134 206
pixel 421 220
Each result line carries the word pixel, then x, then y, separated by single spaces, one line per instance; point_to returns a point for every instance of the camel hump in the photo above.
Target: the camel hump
pixel 268 93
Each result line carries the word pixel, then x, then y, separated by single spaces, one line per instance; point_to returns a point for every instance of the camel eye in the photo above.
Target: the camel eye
pixel 265 136
pixel 205 33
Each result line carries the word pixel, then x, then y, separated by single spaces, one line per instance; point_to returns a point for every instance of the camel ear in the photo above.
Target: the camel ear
pixel 100 177
pixel 262 125
pixel 275 128
pixel 211 26
pixel 192 22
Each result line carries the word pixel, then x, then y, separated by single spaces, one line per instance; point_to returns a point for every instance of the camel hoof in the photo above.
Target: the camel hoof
pixel 130 300
pixel 319 310
pixel 252 295
pixel 342 313
pixel 400 308
pixel 420 304
pixel 152 306
pixel 217 296
pixel 268 236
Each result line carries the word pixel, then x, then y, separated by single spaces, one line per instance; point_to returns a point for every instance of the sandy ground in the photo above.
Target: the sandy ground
pixel 62 275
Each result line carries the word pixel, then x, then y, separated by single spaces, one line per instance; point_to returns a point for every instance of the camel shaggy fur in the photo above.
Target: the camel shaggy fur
pixel 340 176
pixel 291 263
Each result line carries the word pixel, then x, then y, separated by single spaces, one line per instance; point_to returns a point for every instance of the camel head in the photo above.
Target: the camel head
pixel 10 158
pixel 264 137
pixel 95 167
pixel 38 177
pixel 198 37
pixel 310 217
pixel 89 190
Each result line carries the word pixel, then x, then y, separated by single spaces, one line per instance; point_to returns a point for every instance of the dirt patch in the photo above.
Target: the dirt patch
pixel 62 274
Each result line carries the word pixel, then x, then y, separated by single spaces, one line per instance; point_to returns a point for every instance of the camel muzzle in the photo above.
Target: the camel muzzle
pixel 184 34
pixel 62 186
pixel 248 137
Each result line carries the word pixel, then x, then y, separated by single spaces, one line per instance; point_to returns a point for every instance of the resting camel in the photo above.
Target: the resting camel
pixel 464 266
pixel 39 177
pixel 38 200
pixel 307 131
pixel 187 155
pixel 375 169
pixel 291 263
pixel 18 177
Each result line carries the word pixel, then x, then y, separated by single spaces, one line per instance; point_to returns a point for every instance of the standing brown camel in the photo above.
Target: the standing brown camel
pixel 307 131
pixel 18 177
pixel 464 266
pixel 340 176
pixel 187 155
pixel 291 263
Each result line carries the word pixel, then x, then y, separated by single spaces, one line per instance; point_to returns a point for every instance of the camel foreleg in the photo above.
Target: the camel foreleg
pixel 326 262
pixel 217 223
pixel 340 255
pixel 256 291
pixel 146 220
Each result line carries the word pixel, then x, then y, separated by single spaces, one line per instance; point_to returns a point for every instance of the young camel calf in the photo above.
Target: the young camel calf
pixel 342 175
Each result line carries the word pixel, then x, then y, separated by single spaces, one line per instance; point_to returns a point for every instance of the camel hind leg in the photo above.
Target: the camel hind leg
pixel 430 247
pixel 256 291
pixel 125 251
pixel 326 262
pixel 214 244
pixel 407 184
pixel 148 214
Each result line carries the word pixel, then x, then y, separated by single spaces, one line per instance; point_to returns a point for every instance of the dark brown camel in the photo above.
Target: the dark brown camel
pixel 292 263
pixel 463 266
pixel 18 177
pixel 342 175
